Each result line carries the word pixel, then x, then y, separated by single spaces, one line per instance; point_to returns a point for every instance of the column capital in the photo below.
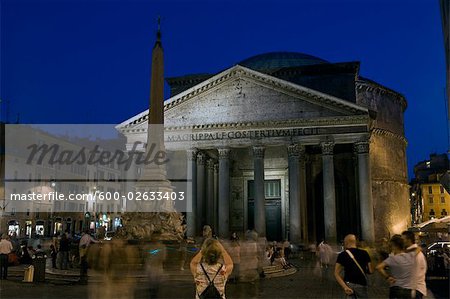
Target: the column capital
pixel 327 147
pixel 362 147
pixel 293 150
pixel 258 151
pixel 224 153
pixel 210 164
pixel 296 150
pixel 201 158
pixel 216 167
pixel 192 154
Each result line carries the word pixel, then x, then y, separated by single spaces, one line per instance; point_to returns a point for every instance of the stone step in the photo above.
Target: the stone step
pixel 278 271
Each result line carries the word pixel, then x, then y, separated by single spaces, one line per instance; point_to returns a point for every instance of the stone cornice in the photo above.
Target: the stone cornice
pixel 383 132
pixel 328 121
pixel 371 86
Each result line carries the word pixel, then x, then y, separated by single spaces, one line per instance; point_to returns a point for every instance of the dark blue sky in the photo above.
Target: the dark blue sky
pixel 73 61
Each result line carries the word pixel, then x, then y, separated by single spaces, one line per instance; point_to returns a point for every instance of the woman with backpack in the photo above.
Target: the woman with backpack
pixel 211 268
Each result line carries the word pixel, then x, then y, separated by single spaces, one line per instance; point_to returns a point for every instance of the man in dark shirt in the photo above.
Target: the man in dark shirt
pixel 356 263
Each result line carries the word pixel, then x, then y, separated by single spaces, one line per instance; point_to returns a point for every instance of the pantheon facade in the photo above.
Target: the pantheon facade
pixel 289 145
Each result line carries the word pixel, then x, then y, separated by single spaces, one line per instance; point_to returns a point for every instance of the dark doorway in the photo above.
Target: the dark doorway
pixel 346 208
pixel 273 208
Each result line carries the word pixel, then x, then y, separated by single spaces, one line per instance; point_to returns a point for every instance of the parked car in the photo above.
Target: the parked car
pixel 432 248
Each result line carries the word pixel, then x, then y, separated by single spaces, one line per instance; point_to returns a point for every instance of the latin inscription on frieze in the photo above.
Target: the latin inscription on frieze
pixel 259 134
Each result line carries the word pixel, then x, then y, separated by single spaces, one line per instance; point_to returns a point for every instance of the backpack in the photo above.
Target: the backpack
pixel 211 292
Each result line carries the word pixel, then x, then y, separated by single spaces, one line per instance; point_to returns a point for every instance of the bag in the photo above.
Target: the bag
pixel 357 264
pixel 211 292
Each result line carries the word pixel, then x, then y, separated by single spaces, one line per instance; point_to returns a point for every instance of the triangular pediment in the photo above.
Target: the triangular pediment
pixel 240 94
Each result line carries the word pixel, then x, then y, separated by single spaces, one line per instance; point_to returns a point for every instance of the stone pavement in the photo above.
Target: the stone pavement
pixel 308 282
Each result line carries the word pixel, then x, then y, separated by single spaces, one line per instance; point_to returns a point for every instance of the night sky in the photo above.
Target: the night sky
pixel 89 61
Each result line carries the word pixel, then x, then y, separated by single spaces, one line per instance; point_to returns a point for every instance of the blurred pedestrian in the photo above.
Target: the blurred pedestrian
pixel 356 264
pixel 64 248
pixel 401 265
pixel 183 252
pixel 25 257
pixel 5 249
pixel 53 254
pixel 235 253
pixel 206 233
pixel 325 252
pixel 83 247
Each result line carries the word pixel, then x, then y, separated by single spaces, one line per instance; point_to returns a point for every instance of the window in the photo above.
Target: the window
pixel 442 199
pixel 272 189
pixel 430 189
pixel 28 212
pixel 442 189
pixel 443 212
pixel 430 199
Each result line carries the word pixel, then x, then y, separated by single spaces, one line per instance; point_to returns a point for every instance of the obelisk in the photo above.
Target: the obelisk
pixel 152 216
pixel 154 175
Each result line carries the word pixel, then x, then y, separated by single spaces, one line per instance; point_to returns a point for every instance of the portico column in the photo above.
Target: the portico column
pixel 224 192
pixel 216 198
pixel 191 192
pixel 201 209
pixel 260 208
pixel 303 199
pixel 329 198
pixel 365 192
pixel 210 194
pixel 294 194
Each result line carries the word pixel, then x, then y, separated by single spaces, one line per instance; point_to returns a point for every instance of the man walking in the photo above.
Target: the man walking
pixel 420 265
pixel 5 249
pixel 356 263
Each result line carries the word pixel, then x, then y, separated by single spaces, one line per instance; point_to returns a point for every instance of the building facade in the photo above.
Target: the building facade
pixel 289 145
pixel 429 199
pixel 46 218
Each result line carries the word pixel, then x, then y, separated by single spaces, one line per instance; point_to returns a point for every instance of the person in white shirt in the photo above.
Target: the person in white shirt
pixel 85 241
pixel 420 268
pixel 5 249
